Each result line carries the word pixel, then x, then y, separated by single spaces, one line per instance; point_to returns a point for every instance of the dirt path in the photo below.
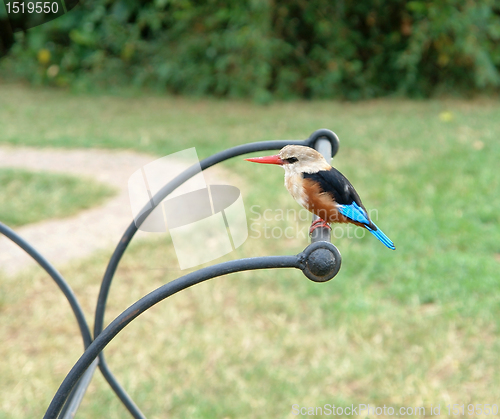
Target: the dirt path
pixel 61 240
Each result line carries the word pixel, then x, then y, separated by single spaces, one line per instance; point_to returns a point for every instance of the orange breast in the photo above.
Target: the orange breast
pixel 323 204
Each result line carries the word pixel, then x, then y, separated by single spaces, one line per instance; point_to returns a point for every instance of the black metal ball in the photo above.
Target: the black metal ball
pixel 322 261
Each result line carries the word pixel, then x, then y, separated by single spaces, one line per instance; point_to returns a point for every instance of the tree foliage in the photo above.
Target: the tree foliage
pixel 264 48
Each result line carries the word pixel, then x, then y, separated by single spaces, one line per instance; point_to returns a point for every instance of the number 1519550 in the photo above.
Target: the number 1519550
pixel 32 7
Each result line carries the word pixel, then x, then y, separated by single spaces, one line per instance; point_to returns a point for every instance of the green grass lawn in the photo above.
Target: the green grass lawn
pixel 27 197
pixel 414 327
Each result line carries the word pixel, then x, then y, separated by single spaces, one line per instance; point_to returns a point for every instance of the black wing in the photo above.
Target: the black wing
pixel 335 183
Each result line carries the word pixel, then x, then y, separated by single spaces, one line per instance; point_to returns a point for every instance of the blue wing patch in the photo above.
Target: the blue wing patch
pixel 354 212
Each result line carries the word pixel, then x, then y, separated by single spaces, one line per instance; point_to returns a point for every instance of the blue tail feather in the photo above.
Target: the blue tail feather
pixel 381 236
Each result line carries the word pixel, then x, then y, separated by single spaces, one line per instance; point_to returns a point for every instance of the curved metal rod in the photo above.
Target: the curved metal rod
pixel 75 398
pixel 57 277
pixel 154 297
pixel 132 229
pixel 101 305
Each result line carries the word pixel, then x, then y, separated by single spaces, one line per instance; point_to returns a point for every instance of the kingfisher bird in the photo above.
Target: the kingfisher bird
pixel 322 189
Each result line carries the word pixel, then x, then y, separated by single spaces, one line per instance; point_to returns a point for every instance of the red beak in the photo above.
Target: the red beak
pixel 267 160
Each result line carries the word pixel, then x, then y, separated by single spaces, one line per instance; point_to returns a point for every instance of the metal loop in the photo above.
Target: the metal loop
pixel 324 133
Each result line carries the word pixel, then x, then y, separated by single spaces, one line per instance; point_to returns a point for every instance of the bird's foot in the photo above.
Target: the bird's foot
pixel 318 223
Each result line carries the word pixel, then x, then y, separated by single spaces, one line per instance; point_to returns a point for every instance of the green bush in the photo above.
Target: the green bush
pixel 264 49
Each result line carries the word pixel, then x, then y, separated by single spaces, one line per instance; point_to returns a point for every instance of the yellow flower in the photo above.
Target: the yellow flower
pixel 446 116
pixel 43 56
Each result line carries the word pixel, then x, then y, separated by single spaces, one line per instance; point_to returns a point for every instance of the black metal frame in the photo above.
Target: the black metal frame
pixel 319 262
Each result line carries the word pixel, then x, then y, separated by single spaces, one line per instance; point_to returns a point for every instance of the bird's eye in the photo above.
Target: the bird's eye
pixel 292 160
